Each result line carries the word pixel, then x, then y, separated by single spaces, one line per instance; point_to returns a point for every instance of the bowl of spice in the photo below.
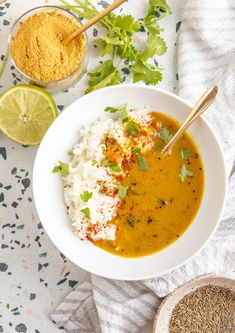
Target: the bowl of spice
pixel 38 52
pixel 205 304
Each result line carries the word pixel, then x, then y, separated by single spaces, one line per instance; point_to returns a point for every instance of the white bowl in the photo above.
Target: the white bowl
pixel 48 189
pixel 163 316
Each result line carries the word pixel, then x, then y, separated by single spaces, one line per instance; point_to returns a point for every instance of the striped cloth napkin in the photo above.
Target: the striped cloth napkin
pixel 206 57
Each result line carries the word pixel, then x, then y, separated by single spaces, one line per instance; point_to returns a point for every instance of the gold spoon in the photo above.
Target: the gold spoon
pixel 92 21
pixel 202 104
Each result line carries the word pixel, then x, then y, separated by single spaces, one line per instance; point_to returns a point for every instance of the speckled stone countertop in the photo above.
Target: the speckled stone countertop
pixel 34 275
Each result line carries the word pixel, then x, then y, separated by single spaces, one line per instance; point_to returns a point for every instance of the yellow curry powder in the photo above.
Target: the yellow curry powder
pixel 38 51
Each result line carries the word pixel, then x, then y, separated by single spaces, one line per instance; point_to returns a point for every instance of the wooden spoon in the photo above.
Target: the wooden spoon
pixel 202 104
pixel 92 21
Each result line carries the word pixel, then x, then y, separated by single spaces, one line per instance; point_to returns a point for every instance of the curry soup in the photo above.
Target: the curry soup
pixel 162 201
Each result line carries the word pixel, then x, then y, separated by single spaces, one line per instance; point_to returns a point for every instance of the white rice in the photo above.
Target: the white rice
pixel 84 176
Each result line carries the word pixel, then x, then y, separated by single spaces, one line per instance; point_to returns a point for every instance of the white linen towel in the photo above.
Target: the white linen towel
pixel 206 57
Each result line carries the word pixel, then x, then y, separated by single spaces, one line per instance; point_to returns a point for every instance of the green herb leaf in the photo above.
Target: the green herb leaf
pixel 185 173
pixel 122 191
pixel 142 163
pixel 156 11
pixel 93 162
pixel 136 150
pixel 122 110
pixel 70 153
pixel 131 128
pixel 104 75
pixel 185 153
pixel 127 23
pixel 104 162
pixel 130 222
pixel 63 168
pixel 165 135
pixel 111 109
pixel 114 168
pixel 155 45
pixel 142 71
pixel 86 212
pixel 86 195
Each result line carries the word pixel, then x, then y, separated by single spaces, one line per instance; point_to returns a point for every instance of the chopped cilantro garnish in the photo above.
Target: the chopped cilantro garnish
pixel 93 162
pixel 70 153
pixel 122 111
pixel 136 150
pixel 131 128
pixel 165 135
pixel 86 212
pixel 130 222
pixel 184 172
pixel 63 168
pixel 104 162
pixel 185 153
pixel 85 196
pixel 114 168
pixel 143 165
pixel 122 191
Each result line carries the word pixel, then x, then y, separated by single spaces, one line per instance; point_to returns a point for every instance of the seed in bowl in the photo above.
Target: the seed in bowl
pixel 122 193
pixel 209 309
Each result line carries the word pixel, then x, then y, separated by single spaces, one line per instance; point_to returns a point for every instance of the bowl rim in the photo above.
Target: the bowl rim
pixel 43 82
pixel 146 275
pixel 192 282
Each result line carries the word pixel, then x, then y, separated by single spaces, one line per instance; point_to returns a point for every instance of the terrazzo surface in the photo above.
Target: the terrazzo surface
pixel 34 275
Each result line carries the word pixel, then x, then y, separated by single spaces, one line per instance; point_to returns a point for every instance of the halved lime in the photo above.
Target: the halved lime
pixel 26 112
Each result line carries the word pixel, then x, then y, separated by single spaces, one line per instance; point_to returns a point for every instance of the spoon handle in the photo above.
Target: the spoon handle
pixel 202 104
pixel 92 21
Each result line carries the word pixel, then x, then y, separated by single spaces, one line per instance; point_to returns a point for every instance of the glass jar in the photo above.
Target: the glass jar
pixel 50 85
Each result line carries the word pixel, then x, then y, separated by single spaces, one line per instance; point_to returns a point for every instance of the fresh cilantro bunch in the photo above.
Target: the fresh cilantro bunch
pixel 117 42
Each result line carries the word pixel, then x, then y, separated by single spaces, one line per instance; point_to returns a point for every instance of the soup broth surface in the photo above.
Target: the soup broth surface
pixel 159 206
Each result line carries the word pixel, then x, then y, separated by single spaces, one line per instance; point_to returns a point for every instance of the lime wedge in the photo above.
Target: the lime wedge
pixel 26 112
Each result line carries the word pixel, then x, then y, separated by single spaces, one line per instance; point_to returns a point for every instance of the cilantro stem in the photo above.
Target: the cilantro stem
pixel 2 65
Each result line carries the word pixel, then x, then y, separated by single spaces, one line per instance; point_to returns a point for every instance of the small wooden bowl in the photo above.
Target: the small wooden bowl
pixel 163 316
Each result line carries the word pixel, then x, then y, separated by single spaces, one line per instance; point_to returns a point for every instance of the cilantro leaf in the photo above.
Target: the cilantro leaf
pixel 130 222
pixel 156 11
pixel 114 168
pixel 165 135
pixel 63 168
pixel 155 45
pixel 136 150
pixel 122 191
pixel 185 153
pixel 111 109
pixel 104 162
pixel 142 163
pixel 104 75
pixel 122 111
pixel 131 128
pixel 93 162
pixel 184 172
pixel 126 23
pixel 86 212
pixel 142 71
pixel 86 195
